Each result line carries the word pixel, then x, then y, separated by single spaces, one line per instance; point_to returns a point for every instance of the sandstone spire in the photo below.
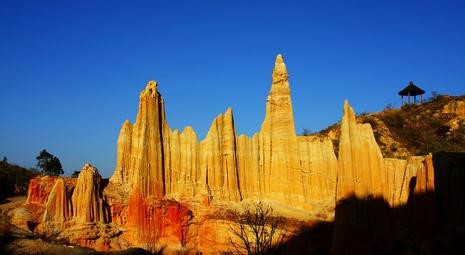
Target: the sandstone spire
pixel 57 208
pixel 361 164
pixel 88 204
pixel 219 158
pixel 280 154
pixel 123 161
pixel 280 70
pixel 147 143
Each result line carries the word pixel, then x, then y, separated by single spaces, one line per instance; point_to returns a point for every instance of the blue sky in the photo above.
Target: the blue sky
pixel 71 71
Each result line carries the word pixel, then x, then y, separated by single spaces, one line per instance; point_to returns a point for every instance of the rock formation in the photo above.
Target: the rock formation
pixel 154 160
pixel 58 207
pixel 369 185
pixel 87 201
pixel 39 189
pixel 168 183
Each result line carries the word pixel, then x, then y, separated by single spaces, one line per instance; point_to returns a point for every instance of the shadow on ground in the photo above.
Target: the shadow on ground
pixel 430 223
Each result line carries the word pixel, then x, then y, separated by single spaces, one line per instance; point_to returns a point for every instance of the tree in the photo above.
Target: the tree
pixel 306 132
pixel 49 164
pixel 5 160
pixel 75 174
pixel 259 231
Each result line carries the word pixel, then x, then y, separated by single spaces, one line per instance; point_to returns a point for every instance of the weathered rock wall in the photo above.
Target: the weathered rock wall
pixel 39 189
pixel 156 161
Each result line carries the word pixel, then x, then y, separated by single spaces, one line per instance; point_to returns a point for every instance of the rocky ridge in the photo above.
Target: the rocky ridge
pixel 441 119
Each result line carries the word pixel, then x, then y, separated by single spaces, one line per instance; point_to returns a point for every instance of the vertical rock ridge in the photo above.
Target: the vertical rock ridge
pixel 278 142
pixel 250 175
pixel 147 143
pixel 218 157
pixel 123 171
pixel 182 167
pixel 87 199
pixel 319 168
pixel 361 164
pixel 58 208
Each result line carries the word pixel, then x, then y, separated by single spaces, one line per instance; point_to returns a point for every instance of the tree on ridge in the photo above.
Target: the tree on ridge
pixel 49 164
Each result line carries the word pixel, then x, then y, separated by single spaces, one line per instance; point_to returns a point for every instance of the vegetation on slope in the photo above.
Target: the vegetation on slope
pixel 14 179
pixel 435 125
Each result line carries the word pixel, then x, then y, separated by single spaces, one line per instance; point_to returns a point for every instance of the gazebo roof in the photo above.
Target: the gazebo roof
pixel 411 90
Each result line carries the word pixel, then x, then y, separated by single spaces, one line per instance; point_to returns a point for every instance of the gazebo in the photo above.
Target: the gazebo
pixel 411 90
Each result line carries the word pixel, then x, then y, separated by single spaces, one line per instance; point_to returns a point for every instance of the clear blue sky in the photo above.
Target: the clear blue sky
pixel 71 71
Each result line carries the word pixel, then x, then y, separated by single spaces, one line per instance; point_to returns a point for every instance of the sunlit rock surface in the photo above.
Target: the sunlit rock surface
pixel 171 190
pixel 87 200
pixel 58 207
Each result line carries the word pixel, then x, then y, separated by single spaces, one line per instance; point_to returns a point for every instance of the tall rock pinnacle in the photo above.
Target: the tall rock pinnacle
pixel 280 70
pixel 278 137
pixel 87 199
pixel 147 143
pixel 278 103
pixel 361 164
pixel 123 159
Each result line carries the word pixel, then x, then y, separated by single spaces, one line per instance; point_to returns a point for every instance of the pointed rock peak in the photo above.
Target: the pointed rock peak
pixel 228 111
pixel 152 84
pixel 280 70
pixel 188 129
pixel 348 112
pixel 127 123
pixel 150 89
pixel 228 117
pixel 279 59
pixel 346 105
pixel 88 168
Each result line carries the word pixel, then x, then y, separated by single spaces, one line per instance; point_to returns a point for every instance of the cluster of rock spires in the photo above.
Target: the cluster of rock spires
pixel 165 179
pixel 273 164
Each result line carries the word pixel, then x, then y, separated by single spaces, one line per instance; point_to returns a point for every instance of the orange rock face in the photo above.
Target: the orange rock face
pixel 39 189
pixel 157 221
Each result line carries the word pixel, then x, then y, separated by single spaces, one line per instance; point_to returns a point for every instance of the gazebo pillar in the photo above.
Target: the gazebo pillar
pixel 411 90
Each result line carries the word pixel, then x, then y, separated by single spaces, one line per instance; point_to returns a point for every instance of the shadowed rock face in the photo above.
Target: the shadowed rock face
pixel 168 185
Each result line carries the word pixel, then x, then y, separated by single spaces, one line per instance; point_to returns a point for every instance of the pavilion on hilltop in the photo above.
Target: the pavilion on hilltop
pixel 411 90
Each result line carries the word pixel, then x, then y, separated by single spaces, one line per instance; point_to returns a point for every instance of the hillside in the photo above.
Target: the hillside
pixel 14 179
pixel 435 125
